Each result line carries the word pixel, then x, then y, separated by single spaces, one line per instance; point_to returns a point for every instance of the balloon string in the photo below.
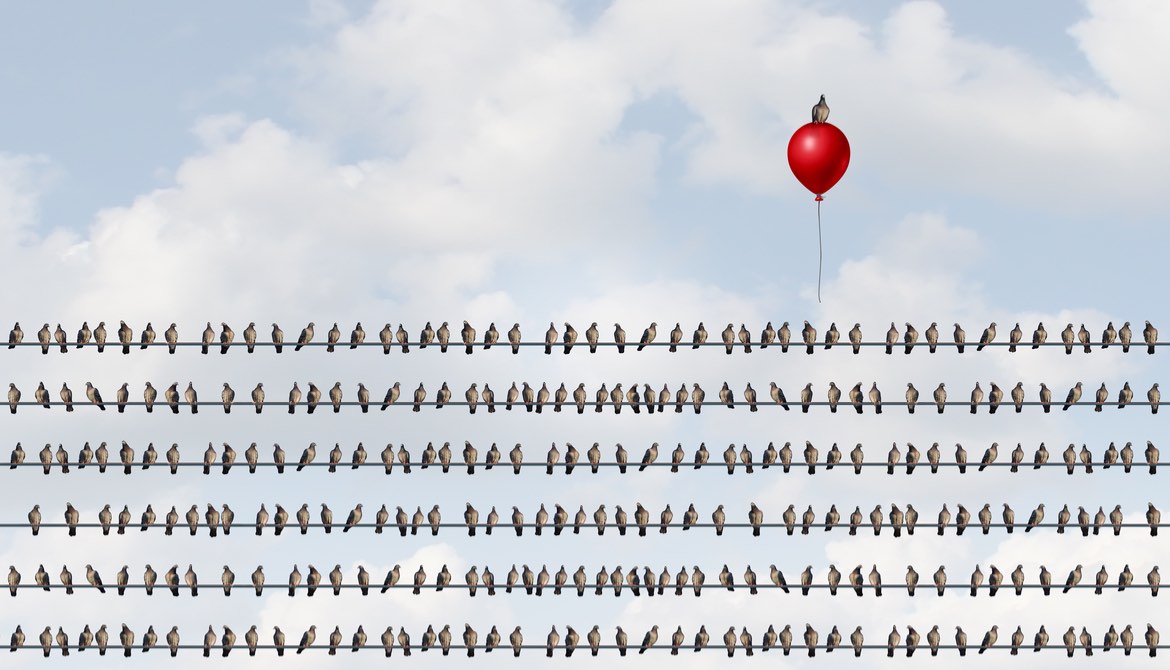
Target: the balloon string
pixel 820 251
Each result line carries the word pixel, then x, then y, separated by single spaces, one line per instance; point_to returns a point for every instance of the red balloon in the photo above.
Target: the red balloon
pixel 818 154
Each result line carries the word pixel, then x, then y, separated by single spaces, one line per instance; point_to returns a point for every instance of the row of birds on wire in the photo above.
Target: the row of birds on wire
pixel 730 338
pixel 444 639
pixel 443 458
pixel 532 399
pixel 634 580
pixel 559 520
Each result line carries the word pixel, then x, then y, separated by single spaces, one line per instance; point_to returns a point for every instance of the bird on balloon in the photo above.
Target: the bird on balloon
pixel 820 111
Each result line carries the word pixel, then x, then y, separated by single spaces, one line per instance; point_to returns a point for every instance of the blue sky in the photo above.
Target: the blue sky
pixel 526 161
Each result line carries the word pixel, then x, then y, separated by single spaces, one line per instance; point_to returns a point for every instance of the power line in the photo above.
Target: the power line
pixel 583 344
pixel 460 466
pixel 843 406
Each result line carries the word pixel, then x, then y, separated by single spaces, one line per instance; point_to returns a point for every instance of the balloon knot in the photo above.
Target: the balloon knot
pixel 819 199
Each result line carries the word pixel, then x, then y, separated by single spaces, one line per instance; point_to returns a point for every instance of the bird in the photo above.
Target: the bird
pixel 1074 396
pixel 648 336
pixel 809 334
pixel 1074 578
pixel 15 336
pixel 60 338
pixel 467 333
pixel 1150 334
pixel 516 638
pixel 1084 338
pixel 892 642
pixel 306 337
pixel 989 639
pixel 550 338
pixel 832 336
pixel 44 336
pixel 570 336
pixel 987 338
pixel 810 639
pixel 960 338
pixel 307 639
pixel 989 456
pixel 911 397
pixel 1124 396
pixel 891 338
pixel 648 641
pixel 1125 335
pixel 820 111
pixel 513 337
pixel 94 578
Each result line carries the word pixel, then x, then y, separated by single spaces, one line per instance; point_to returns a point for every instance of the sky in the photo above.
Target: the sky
pixel 531 162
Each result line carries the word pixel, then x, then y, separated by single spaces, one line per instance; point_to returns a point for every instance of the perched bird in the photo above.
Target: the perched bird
pixel 648 336
pixel 307 639
pixel 810 639
pixel 911 397
pixel 832 336
pixel 809 334
pixel 1125 335
pixel 820 111
pixel 987 338
pixel 932 337
pixel 960 338
pixel 468 333
pixel 875 398
pixel 306 337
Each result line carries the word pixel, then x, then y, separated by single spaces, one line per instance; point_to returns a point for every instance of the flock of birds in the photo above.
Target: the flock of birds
pixel 634 580
pixel 388 338
pixel 444 639
pixel 533 399
pixel 637 579
pixel 443 458
pixel 215 519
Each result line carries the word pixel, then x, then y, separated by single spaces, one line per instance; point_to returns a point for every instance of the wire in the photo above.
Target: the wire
pixel 581 344
pixel 579 465
pixel 714 645
pixel 406 402
pixel 570 587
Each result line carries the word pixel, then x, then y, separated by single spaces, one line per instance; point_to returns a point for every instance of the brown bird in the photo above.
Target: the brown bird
pixel 832 336
pixel 856 398
pixel 987 338
pixel 809 334
pixel 820 113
